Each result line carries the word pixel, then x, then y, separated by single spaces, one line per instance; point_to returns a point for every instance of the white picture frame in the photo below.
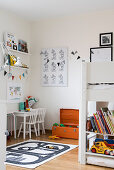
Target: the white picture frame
pixel 101 54
pixel 54 67
pixel 14 92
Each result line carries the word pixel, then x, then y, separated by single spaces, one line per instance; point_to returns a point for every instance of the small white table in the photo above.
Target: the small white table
pixel 20 114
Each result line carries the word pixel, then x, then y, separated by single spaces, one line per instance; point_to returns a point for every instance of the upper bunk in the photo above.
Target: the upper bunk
pixel 99 79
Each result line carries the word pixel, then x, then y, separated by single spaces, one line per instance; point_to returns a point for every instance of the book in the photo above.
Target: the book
pixel 103 121
pixel 100 121
pixel 103 115
pixel 108 122
pixel 96 126
pixel 92 122
pixel 96 119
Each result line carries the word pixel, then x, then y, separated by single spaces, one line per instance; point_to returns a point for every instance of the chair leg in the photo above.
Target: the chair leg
pixel 19 130
pixel 38 129
pixel 43 129
pixel 35 129
pixel 30 131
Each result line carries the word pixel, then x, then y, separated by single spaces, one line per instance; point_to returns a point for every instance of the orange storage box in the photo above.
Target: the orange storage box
pixel 70 118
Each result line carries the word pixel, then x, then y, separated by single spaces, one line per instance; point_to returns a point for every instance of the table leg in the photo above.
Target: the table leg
pixel 11 123
pixel 24 128
pixel 14 125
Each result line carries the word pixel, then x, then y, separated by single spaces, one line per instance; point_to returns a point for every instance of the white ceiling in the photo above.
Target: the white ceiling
pixel 38 9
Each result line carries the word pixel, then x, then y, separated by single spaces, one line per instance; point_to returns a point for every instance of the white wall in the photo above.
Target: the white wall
pixel 21 29
pixel 77 33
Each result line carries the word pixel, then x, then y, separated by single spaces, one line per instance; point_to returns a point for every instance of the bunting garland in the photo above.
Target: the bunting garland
pixel 12 77
pixel 9 75
pixel 20 77
pixel 5 72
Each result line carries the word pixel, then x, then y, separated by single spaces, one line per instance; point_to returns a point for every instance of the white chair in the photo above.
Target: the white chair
pixel 32 121
pixel 40 119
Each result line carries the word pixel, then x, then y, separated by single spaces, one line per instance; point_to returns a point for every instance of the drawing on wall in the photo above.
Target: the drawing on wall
pixel 54 67
pixel 14 92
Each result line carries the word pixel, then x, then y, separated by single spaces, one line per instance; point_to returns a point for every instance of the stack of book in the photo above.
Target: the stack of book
pixel 102 122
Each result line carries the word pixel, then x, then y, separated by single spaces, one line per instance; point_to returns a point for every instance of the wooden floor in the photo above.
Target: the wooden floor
pixel 68 161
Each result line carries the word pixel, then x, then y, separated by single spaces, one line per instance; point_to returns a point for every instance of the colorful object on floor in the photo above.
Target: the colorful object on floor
pixel 33 153
pixel 103 147
pixel 52 147
pixel 30 101
pixel 54 137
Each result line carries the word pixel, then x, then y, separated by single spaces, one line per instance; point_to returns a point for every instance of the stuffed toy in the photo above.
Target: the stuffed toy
pixel 30 101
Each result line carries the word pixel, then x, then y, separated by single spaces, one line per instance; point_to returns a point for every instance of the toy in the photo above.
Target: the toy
pixel 13 60
pixel 61 125
pixel 52 147
pixel 55 124
pixel 103 147
pixel 54 137
pixel 30 101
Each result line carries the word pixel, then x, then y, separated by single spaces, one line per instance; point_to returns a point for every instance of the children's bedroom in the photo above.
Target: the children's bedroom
pixel 56 84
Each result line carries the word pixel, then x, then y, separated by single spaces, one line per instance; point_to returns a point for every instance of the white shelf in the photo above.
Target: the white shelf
pixel 17 67
pixel 19 52
pixel 98 154
pixel 99 133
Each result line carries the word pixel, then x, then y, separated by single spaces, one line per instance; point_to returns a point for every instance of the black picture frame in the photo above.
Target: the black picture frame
pixel 106 39
pixel 101 54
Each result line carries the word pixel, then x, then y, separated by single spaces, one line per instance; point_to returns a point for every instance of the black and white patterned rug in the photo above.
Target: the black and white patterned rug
pixel 33 153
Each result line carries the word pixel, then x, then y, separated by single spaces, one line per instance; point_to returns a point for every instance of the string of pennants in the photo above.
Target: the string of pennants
pixel 20 76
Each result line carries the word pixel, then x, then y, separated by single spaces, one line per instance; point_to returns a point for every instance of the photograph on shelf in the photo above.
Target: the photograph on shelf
pixel 101 54
pixel 22 46
pixel 106 39
pixel 10 41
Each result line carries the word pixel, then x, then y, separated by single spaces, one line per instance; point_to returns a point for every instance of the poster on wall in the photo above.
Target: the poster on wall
pixel 14 92
pixel 54 66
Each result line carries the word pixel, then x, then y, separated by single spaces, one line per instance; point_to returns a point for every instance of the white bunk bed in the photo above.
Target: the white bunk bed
pixel 95 73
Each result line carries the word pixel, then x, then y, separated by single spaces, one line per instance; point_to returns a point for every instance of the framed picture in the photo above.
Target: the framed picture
pixel 106 39
pixel 101 54
pixel 54 67
pixel 14 92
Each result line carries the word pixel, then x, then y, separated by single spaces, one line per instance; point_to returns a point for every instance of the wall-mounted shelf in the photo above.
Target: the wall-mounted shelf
pixel 17 67
pixel 19 52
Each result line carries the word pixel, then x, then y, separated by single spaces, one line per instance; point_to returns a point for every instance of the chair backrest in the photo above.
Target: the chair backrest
pixel 41 114
pixel 33 116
